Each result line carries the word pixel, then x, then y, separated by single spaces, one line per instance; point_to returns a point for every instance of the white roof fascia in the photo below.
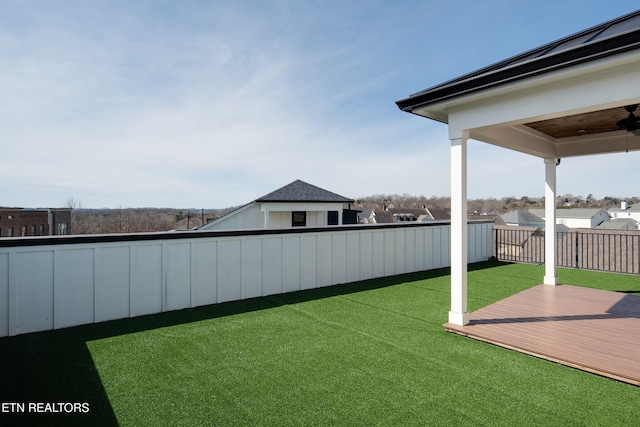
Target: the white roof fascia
pixel 537 86
pixel 300 206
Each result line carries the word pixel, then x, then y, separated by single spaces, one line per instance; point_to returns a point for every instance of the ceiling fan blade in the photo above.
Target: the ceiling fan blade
pixel 630 123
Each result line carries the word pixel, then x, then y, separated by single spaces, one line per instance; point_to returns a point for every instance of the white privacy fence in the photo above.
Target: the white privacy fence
pixel 57 282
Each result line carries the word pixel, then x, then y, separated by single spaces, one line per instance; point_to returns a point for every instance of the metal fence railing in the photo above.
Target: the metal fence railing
pixel 588 249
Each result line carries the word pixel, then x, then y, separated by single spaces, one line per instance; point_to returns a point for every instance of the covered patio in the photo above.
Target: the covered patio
pixel 573 97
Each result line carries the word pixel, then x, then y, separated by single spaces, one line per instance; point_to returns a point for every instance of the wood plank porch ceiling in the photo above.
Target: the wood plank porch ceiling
pixel 588 329
pixel 595 122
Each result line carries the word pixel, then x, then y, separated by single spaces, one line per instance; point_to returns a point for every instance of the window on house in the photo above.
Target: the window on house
pixel 10 232
pixel 24 231
pixel 42 229
pixel 298 219
pixel 33 230
pixel 332 218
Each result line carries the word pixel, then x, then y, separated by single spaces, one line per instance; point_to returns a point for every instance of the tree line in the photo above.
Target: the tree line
pixel 489 205
pixel 138 220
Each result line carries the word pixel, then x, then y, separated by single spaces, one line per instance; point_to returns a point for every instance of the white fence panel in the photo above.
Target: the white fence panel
pixel 178 276
pixel 419 250
pixel 366 256
pixel 481 237
pixel 410 250
pixel 146 283
pixel 378 252
pixel 353 257
pixel 401 250
pixel 273 258
pixel 291 262
pixel 113 283
pixel 229 264
pixel 33 293
pixel 73 290
pixel 204 267
pixel 59 283
pixel 251 268
pixel 325 259
pixel 441 248
pixel 389 248
pixel 309 251
pixel 339 259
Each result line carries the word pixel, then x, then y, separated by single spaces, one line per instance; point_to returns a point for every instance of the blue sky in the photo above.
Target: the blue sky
pixel 209 104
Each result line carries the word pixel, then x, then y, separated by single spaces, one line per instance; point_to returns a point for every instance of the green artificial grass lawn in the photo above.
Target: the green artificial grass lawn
pixel 365 353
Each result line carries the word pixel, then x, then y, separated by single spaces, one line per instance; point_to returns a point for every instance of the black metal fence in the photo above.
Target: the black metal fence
pixel 588 249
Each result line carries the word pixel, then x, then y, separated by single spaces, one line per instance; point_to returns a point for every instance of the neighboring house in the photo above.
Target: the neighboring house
pixel 18 222
pixel 496 218
pixel 619 224
pixel 367 217
pixel 406 215
pixel 383 217
pixel 295 205
pixel 437 214
pixel 577 218
pixel 409 215
pixel 522 218
pixel 626 212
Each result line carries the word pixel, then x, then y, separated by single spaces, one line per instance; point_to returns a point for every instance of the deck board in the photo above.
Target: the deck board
pixel 589 329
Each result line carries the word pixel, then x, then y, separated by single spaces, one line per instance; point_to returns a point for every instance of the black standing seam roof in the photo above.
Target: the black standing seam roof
pixel 610 38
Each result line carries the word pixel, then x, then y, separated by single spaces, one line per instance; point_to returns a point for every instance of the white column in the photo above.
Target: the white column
pixel 459 314
pixel 265 210
pixel 550 236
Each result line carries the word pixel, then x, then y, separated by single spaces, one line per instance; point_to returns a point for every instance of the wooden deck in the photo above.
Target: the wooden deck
pixel 589 329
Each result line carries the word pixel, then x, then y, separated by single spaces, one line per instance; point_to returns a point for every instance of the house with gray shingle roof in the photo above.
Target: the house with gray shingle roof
pixel 626 211
pixel 577 217
pixel 406 215
pixel 522 218
pixel 297 204
pixel 619 224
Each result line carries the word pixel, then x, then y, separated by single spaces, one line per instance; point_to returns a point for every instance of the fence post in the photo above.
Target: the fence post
pixel 576 250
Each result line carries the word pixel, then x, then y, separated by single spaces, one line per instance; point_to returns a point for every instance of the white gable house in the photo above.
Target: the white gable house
pixel 295 205
pixel 625 211
pixel 577 218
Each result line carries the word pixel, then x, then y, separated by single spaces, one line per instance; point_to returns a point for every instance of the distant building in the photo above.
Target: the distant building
pixel 496 218
pixel 626 211
pixel 20 222
pixel 627 224
pixel 577 218
pixel 367 217
pixel 295 205
pixel 403 215
pixel 522 218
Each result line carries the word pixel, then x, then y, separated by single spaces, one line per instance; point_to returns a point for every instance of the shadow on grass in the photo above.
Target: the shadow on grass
pixel 56 366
